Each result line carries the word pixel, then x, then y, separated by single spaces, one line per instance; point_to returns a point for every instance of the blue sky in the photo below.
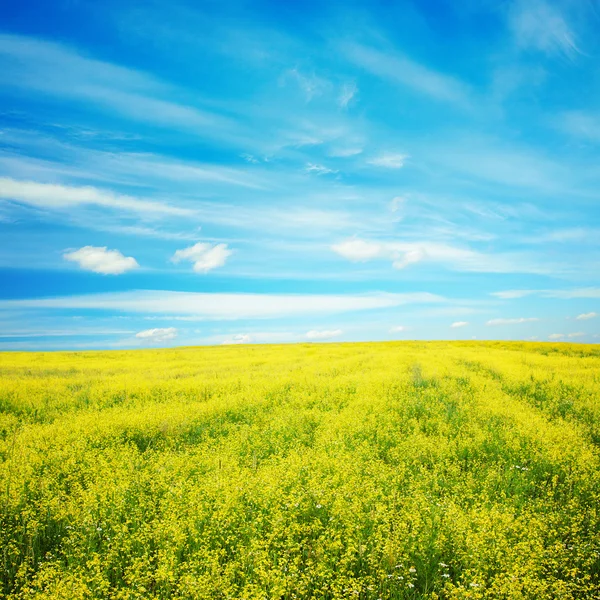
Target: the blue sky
pixel 204 173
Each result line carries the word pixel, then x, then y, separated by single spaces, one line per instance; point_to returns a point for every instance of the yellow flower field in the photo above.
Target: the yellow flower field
pixel 380 470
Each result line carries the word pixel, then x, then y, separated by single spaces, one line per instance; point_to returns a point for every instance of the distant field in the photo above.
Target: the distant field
pixel 388 470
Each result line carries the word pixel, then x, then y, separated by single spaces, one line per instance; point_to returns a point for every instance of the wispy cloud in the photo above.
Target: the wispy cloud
pixel 348 92
pixel 579 123
pixel 205 257
pixel 493 322
pixel 399 69
pixel 458 324
pixel 101 260
pixel 589 292
pixel 586 316
pixel 512 294
pixel 389 160
pixel 57 197
pixel 576 334
pixel 240 338
pixel 60 71
pixel 225 305
pixel 397 329
pixel 556 336
pixel 540 25
pixel 324 334
pixel 319 169
pixel 157 335
pixel 403 254
pixel 51 333
pixel 311 84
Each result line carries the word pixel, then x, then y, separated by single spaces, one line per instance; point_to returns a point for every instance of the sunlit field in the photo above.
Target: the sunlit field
pixel 388 470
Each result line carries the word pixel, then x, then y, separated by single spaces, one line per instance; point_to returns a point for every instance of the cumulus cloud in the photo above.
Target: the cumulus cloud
pixel 458 324
pixel 358 250
pixel 511 321
pixel 157 335
pixel 240 338
pixel 409 258
pixel 556 336
pixel 388 160
pixel 204 257
pixel 586 316
pixel 325 334
pixel 576 334
pixel 101 260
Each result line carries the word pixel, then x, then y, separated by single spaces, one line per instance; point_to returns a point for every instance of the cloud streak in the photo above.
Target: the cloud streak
pixel 60 197
pixel 517 321
pixel 224 306
pixel 399 69
pixel 159 335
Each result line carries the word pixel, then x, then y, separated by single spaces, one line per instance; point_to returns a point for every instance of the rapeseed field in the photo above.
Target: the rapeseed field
pixel 380 470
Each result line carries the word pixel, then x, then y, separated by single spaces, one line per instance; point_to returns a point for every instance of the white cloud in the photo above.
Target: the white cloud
pixel 458 324
pixel 240 338
pixel 512 294
pixel 58 71
pixel 589 292
pixel 358 250
pixel 586 316
pixel 403 254
pixel 570 294
pixel 157 335
pixel 539 25
pixel 398 329
pixel 52 196
pixel 556 336
pixel 389 160
pixel 101 260
pixel 580 124
pixel 511 321
pixel 397 203
pixel 225 305
pixel 409 258
pixel 346 151
pixel 576 335
pixel 402 70
pixel 205 257
pixel 62 333
pixel 325 334
pixel 319 169
pixel 310 84
pixel 348 92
